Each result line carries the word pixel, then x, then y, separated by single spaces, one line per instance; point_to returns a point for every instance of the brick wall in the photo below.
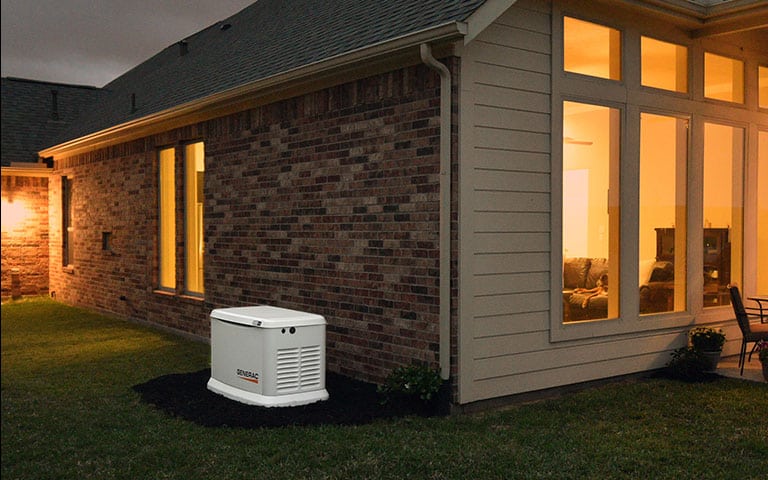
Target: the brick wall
pixel 24 236
pixel 327 202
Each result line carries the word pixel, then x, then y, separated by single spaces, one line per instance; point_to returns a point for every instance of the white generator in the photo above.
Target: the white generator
pixel 268 356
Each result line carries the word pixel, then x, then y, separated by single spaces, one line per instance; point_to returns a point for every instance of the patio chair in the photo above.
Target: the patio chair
pixel 750 332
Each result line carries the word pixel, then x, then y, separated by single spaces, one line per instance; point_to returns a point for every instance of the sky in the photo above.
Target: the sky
pixel 92 42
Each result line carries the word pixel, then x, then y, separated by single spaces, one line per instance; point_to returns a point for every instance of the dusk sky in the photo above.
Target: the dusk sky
pixel 91 42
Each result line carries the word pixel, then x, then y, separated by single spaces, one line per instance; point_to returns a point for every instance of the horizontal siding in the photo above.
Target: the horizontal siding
pixel 513 282
pixel 512 242
pixel 490 221
pixel 541 379
pixel 505 235
pixel 534 353
pixel 486 158
pixel 510 324
pixel 514 181
pixel 511 303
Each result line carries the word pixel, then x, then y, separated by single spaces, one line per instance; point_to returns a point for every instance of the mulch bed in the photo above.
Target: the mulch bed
pixel 351 402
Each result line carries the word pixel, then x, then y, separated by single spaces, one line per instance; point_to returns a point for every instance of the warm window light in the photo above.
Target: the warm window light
pixel 664 65
pixel 591 49
pixel 763 86
pixel 723 78
pixel 14 213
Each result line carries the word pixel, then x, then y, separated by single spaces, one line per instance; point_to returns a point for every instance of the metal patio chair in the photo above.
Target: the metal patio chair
pixel 750 332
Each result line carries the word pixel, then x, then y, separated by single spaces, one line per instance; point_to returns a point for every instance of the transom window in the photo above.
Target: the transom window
pixel 723 78
pixel 663 65
pixel 591 49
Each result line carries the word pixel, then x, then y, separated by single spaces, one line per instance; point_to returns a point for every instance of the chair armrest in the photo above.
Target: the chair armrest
pixel 761 314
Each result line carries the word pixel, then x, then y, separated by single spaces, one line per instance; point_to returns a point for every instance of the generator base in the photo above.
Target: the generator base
pixel 250 398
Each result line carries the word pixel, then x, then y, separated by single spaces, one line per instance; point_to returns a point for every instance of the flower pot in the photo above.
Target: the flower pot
pixel 713 358
pixel 765 371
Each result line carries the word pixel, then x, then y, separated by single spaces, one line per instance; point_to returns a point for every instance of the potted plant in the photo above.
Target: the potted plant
pixel 709 342
pixel 762 353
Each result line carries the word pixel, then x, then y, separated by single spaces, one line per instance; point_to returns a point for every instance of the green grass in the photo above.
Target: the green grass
pixel 69 412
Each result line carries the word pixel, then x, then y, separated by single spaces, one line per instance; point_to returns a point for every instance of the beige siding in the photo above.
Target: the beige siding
pixel 505 201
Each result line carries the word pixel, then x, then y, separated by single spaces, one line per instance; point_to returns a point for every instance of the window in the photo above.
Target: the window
pixel 590 214
pixel 194 246
pixel 663 65
pixel 67 229
pixel 663 213
pixel 685 166
pixel 167 216
pixel 591 49
pixel 723 210
pixel 762 212
pixel 194 168
pixel 723 78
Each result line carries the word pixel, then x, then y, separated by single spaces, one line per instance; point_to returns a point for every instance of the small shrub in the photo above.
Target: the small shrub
pixel 411 383
pixel 688 364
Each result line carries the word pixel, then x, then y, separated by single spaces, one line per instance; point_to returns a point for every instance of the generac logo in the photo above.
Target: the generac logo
pixel 248 376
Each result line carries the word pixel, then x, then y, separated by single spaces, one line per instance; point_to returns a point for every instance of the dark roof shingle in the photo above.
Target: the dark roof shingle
pixel 31 121
pixel 266 38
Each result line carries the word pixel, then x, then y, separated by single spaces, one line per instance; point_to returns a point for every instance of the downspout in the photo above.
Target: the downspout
pixel 445 208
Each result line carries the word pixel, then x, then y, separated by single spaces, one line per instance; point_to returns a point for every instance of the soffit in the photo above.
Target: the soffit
pixel 707 18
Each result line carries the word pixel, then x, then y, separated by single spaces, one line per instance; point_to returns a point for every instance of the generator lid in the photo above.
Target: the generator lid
pixel 265 316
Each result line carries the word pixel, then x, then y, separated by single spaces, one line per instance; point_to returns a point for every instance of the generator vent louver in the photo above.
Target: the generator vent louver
pixel 298 368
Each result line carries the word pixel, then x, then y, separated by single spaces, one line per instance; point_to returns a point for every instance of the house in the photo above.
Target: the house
pixel 33 116
pixel 437 179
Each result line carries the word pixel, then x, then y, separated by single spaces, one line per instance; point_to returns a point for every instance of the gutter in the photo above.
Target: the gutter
pixel 195 111
pixel 445 208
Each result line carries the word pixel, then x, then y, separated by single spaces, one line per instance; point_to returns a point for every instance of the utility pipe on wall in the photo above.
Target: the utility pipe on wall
pixel 445 208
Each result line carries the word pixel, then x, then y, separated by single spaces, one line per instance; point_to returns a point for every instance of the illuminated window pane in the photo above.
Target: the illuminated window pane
pixel 763 86
pixel 194 166
pixel 591 49
pixel 723 78
pixel 664 65
pixel 723 206
pixel 167 234
pixel 663 213
pixel 590 211
pixel 762 213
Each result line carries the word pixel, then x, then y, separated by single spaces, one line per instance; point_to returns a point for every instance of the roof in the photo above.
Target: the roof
pixel 266 38
pixel 31 118
pixel 271 39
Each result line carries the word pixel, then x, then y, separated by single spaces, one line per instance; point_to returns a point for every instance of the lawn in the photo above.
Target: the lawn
pixel 69 411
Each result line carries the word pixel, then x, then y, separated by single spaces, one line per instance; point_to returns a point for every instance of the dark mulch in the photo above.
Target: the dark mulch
pixel 350 402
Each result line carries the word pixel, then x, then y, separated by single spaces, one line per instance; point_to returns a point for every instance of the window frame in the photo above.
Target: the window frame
pixel 633 98
pixel 67 223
